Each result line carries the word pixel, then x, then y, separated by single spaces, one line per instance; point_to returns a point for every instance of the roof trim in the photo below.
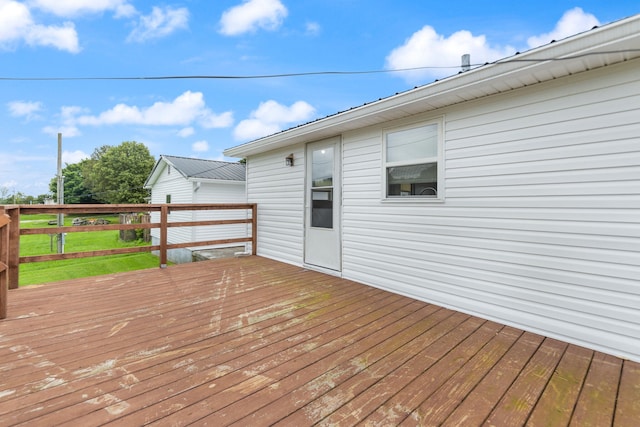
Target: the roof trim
pixel 165 161
pixel 599 47
pixel 215 181
pixel 155 172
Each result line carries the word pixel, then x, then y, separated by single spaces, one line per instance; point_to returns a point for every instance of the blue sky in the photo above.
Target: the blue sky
pixel 66 39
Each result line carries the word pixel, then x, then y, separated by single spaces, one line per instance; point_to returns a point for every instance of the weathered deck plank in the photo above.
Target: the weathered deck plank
pixel 252 341
pixel 478 404
pixel 557 403
pixel 628 406
pixel 516 405
pixel 596 404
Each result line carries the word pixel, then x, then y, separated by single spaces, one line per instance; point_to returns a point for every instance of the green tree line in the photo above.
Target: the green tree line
pixel 7 197
pixel 113 174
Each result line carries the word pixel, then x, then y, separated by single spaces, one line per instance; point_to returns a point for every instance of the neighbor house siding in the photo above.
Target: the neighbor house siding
pixel 223 193
pixel 181 190
pixel 279 192
pixel 541 223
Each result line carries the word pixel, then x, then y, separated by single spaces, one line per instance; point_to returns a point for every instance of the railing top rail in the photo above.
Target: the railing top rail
pixel 207 206
pixel 124 208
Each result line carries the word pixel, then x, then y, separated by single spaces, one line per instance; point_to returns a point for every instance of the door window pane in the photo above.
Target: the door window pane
pixel 322 168
pixel 322 208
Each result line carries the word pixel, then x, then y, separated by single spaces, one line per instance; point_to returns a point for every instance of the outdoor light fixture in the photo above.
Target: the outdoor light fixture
pixel 289 160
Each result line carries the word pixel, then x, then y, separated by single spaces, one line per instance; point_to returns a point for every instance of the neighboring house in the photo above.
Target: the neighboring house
pixel 511 191
pixel 185 180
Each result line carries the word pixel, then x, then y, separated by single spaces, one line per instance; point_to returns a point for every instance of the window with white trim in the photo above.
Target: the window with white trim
pixel 413 162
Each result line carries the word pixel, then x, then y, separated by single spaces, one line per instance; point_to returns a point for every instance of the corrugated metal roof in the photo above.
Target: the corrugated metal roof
pixel 207 169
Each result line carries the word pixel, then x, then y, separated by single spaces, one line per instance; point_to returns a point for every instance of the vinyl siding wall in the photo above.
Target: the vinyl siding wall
pixel 181 191
pixel 279 192
pixel 541 224
pixel 223 192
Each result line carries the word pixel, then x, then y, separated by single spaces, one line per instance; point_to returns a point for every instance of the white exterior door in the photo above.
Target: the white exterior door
pixel 322 205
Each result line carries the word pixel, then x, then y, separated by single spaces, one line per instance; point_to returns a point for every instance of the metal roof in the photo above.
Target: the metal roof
pixel 598 47
pixel 200 169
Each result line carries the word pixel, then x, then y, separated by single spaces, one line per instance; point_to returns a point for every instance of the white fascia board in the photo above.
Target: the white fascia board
pixel 551 61
pixel 216 181
pixel 155 173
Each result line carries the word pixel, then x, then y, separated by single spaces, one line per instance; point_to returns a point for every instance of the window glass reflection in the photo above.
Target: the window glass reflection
pixel 322 168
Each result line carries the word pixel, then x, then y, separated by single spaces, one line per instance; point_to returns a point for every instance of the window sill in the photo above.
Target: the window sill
pixel 418 200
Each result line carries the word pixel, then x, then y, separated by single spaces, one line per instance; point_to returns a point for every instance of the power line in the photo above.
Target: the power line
pixel 219 77
pixel 312 73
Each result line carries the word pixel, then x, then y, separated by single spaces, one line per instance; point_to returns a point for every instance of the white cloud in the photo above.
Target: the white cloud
pixel 66 131
pixel 14 18
pixel 254 129
pixel 572 22
pixel 17 24
pixel 211 120
pixel 270 117
pixel 426 48
pixel 25 109
pixel 312 28
pixel 186 132
pixel 67 126
pixel 72 8
pixel 200 146
pixel 71 157
pixel 252 15
pixel 63 38
pixel 182 111
pixel 160 23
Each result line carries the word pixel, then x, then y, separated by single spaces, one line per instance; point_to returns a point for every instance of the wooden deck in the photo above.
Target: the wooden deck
pixel 252 342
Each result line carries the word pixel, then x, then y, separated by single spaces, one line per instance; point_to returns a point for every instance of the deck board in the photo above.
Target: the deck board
pixel 252 341
pixel 478 404
pixel 598 392
pixel 628 405
pixel 557 403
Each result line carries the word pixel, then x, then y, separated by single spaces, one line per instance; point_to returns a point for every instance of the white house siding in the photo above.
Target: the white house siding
pixel 181 191
pixel 220 192
pixel 541 224
pixel 279 192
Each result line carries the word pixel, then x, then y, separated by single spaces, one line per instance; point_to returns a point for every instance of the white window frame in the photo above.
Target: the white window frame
pixel 438 159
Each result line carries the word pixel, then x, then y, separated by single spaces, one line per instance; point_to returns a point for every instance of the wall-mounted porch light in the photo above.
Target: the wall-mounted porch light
pixel 289 160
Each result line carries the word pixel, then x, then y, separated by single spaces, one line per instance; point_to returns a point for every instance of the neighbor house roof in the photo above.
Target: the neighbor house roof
pixel 199 169
pixel 598 47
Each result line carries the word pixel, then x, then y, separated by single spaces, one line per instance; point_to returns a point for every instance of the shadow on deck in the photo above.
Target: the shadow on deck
pixel 252 341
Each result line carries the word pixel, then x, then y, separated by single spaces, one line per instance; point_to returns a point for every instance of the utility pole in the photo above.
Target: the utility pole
pixel 60 195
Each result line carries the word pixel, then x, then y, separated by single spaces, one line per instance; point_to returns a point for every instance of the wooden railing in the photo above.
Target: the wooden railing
pixel 4 261
pixel 10 233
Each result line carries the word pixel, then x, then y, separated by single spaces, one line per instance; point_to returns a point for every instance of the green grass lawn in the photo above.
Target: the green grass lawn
pixel 51 271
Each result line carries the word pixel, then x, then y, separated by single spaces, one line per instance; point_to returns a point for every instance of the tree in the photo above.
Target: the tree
pixel 4 195
pixel 117 174
pixel 87 168
pixel 75 189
